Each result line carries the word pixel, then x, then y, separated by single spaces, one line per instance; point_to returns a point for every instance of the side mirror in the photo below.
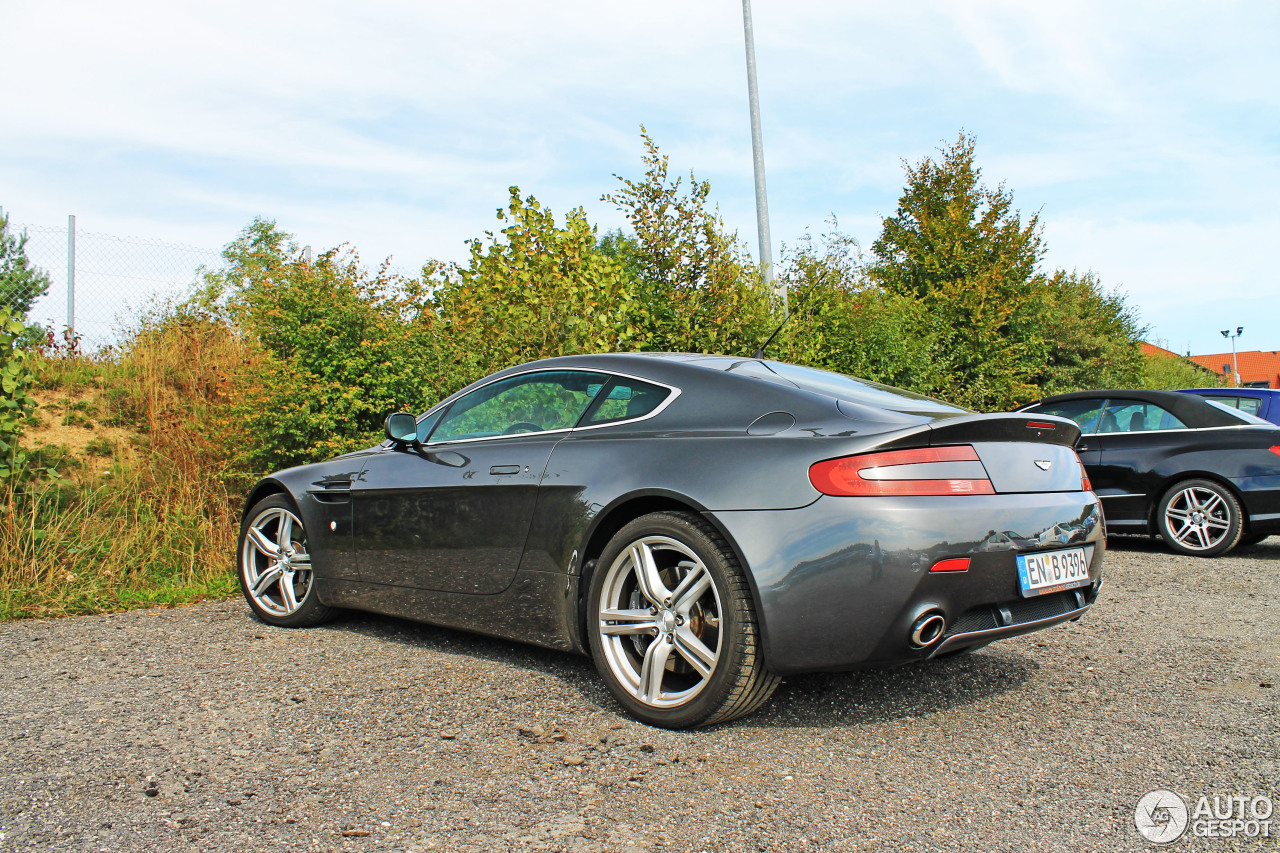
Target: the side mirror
pixel 402 428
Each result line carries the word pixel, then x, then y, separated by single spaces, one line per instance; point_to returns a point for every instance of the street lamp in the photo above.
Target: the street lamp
pixel 1235 362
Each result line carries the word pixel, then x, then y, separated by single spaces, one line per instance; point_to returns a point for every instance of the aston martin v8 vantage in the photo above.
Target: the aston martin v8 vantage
pixel 699 525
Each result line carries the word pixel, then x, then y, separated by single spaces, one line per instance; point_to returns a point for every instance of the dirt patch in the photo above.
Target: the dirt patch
pixel 75 422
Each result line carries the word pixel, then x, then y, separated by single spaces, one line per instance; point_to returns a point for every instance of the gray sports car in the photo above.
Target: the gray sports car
pixel 700 525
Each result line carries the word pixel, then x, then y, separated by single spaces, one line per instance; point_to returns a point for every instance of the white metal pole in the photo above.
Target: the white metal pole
pixel 71 276
pixel 1235 362
pixel 757 151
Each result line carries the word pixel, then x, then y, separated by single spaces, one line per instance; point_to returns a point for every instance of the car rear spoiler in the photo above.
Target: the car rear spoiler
pixel 965 429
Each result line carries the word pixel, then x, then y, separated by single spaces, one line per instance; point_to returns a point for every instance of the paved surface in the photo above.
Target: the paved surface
pixel 200 728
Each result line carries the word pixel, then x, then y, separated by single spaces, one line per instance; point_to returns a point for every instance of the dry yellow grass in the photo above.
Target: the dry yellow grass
pixel 137 503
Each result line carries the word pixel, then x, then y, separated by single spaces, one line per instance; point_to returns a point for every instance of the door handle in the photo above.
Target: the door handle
pixel 1082 447
pixel 505 469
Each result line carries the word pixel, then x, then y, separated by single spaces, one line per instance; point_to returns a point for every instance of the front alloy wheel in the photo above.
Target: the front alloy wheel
pixel 275 566
pixel 1199 518
pixel 672 624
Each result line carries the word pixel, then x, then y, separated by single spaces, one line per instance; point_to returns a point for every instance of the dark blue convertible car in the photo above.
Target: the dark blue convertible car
pixel 1260 402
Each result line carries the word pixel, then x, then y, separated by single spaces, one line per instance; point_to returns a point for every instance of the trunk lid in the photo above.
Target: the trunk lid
pixel 1022 453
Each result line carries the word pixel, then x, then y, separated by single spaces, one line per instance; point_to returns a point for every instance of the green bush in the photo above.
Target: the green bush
pixel 536 290
pixel 695 288
pixel 335 348
pixel 16 402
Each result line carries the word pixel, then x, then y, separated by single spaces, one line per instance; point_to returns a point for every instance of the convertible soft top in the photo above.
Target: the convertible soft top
pixel 1193 411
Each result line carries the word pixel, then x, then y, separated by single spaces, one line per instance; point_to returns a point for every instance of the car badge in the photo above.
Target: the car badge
pixel 1044 464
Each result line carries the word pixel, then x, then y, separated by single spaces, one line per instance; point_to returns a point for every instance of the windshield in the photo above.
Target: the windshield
pixel 1244 417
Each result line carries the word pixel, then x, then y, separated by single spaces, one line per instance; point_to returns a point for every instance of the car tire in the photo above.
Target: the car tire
pixel 1199 518
pixel 274 565
pixel 672 625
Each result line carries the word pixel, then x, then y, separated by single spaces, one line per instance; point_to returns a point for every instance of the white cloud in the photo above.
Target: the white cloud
pixel 1144 132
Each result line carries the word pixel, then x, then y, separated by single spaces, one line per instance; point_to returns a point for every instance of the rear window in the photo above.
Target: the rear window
pixel 1243 414
pixel 1084 412
pixel 1249 405
pixel 841 387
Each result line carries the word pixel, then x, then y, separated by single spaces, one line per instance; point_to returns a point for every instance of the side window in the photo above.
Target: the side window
pixel 626 399
pixel 427 424
pixel 1252 405
pixel 1233 402
pixel 1083 412
pixel 532 402
pixel 1135 416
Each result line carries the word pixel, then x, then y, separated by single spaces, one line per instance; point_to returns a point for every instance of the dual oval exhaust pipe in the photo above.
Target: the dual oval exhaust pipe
pixel 927 630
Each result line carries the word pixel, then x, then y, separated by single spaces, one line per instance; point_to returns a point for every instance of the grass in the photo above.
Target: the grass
pixel 131 493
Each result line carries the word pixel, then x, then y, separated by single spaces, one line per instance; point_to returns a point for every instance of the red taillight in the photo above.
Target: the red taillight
pixel 956 564
pixel 872 474
pixel 1085 485
pixel 1275 450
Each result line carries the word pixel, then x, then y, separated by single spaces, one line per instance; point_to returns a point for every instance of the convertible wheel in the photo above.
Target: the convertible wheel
pixel 1199 518
pixel 275 566
pixel 672 625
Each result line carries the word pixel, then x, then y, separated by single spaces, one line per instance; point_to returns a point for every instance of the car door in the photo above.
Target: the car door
pixel 1133 437
pixel 452 513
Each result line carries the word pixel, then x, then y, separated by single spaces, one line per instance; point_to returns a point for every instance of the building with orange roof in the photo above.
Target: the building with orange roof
pixel 1152 349
pixel 1258 368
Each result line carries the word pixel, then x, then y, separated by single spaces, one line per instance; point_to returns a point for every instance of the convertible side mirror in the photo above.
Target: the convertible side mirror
pixel 402 428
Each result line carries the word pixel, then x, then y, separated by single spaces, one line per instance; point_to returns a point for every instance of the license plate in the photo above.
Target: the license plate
pixel 1052 571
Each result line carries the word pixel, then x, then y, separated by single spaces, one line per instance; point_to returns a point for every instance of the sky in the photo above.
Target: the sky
pixel 1145 134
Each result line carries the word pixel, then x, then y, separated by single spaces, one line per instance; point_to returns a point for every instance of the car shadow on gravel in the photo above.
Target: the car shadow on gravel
pixel 834 699
pixel 1267 549
pixel 819 699
pixel 565 666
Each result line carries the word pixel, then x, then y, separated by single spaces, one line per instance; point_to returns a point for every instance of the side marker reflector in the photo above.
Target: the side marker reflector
pixel 956 564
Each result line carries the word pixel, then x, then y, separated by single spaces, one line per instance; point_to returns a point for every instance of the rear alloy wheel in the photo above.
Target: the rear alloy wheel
pixel 275 566
pixel 672 625
pixel 1199 518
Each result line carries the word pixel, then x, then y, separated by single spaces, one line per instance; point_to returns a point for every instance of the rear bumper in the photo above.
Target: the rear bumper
pixel 997 622
pixel 840 582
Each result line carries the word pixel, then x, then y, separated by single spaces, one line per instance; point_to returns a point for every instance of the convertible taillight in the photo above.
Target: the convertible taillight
pixel 922 471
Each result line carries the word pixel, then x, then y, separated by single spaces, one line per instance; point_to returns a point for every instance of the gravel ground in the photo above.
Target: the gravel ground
pixel 201 728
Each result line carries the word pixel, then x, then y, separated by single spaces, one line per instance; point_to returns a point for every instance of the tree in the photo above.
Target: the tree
pixel 21 283
pixel 1093 339
pixel 963 251
pixel 333 347
pixel 1002 332
pixel 536 291
pixel 696 288
pixel 845 322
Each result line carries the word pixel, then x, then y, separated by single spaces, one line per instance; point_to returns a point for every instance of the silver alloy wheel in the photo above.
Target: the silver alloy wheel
pixel 1198 518
pixel 275 562
pixel 659 621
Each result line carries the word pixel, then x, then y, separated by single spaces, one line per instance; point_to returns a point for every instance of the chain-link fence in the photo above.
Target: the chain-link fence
pixel 99 283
